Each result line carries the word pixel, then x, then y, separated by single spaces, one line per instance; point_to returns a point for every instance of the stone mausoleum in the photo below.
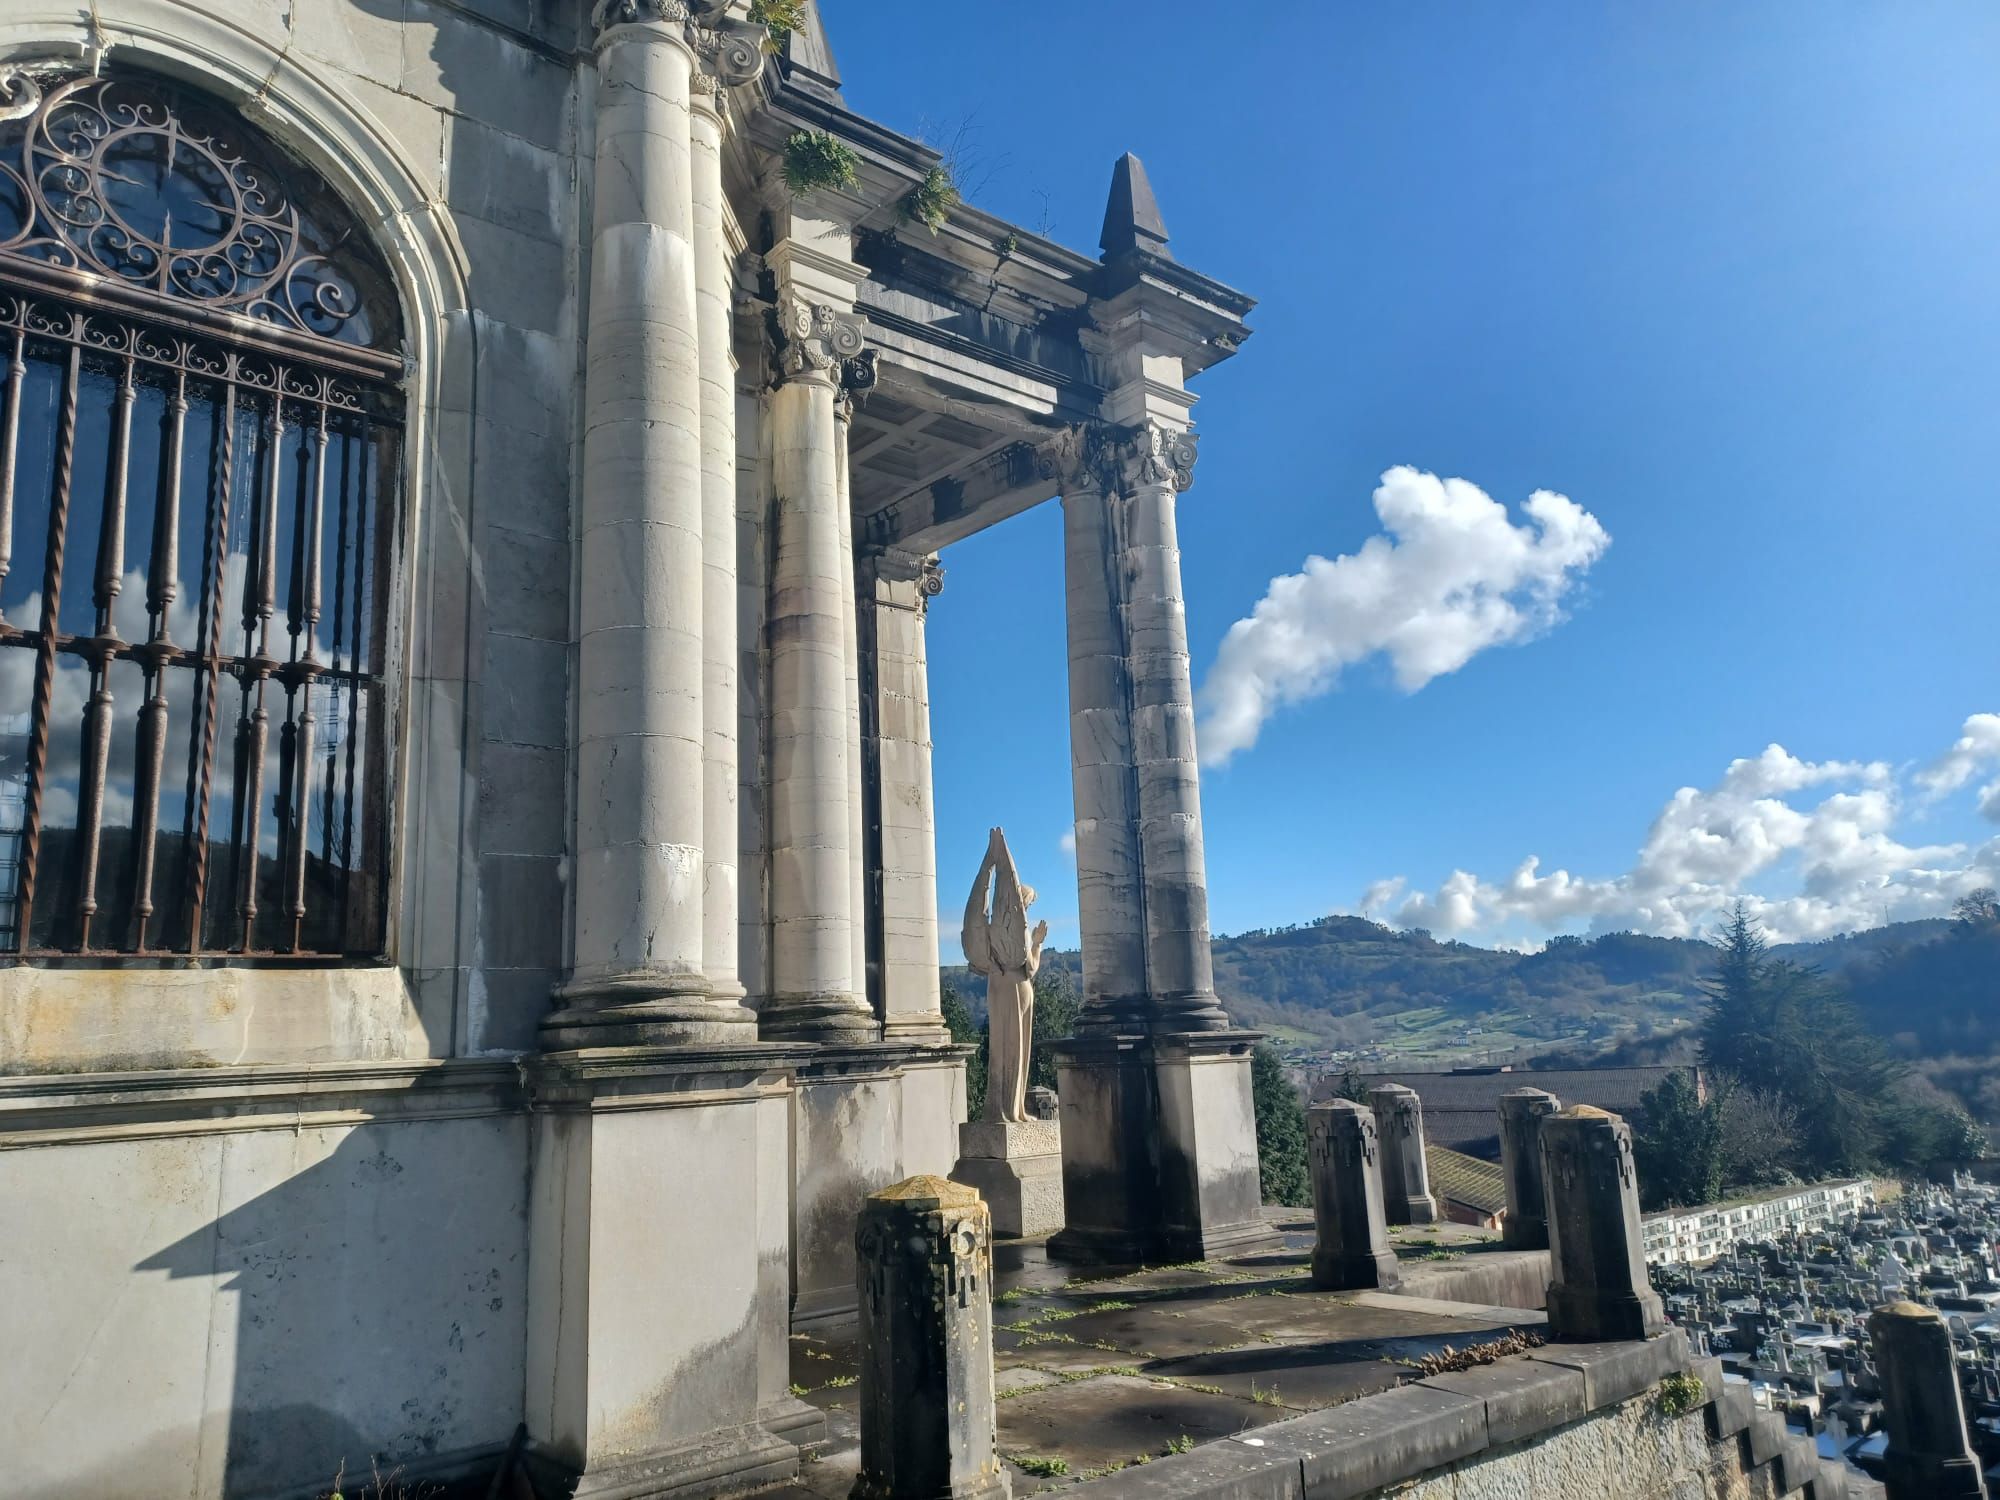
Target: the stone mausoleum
pixel 467 517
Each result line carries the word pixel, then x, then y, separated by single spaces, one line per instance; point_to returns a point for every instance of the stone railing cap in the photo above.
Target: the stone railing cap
pixel 929 1191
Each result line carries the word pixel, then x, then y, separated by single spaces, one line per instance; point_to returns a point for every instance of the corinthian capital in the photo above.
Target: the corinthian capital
pixel 815 338
pixel 728 49
pixel 1117 460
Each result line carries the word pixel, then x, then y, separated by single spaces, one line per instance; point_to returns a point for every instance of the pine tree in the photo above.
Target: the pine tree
pixel 958 1021
pixel 1281 1130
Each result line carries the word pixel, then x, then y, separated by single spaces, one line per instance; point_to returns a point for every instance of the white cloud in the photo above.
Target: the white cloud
pixel 1977 748
pixel 1068 845
pixel 1450 575
pixel 1836 851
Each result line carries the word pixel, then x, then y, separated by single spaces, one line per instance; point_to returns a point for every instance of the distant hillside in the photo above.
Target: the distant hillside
pixel 1345 982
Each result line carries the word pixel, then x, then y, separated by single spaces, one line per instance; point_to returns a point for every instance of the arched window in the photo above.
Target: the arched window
pixel 200 449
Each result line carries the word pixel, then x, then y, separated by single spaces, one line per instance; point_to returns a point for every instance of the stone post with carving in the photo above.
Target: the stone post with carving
pixel 1406 1173
pixel 1351 1245
pixel 1600 1291
pixel 923 1255
pixel 1526 1226
pixel 1929 1456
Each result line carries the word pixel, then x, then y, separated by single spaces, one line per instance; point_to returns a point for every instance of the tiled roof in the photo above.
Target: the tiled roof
pixel 1465 1179
pixel 1461 1109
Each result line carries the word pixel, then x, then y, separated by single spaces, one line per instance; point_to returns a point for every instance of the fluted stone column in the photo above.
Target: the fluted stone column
pixel 816 993
pixel 1406 1173
pixel 1929 1456
pixel 1526 1226
pixel 896 591
pixel 1600 1291
pixel 637 973
pixel 715 319
pixel 1351 1241
pixel 924 1261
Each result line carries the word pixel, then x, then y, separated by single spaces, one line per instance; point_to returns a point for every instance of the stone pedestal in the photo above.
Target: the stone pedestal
pixel 657 1343
pixel 924 1267
pixel 862 1118
pixel 1526 1226
pixel 1159 1146
pixel 1600 1291
pixel 1017 1169
pixel 1406 1175
pixel 1928 1454
pixel 1351 1246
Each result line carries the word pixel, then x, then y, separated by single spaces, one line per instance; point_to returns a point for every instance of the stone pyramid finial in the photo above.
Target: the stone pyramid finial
pixel 1132 217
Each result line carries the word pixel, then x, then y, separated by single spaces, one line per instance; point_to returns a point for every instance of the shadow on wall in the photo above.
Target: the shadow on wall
pixel 366 1306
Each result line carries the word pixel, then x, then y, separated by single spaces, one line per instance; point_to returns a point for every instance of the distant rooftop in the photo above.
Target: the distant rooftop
pixel 1461 1106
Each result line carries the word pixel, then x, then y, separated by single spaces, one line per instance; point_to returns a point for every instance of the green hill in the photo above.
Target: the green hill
pixel 1349 984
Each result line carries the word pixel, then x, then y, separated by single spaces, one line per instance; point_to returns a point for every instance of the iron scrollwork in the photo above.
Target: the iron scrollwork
pixel 131 181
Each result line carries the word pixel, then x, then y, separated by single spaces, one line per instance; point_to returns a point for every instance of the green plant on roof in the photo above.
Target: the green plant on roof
pixel 1041 1467
pixel 931 201
pixel 779 18
pixel 814 160
pixel 1181 1444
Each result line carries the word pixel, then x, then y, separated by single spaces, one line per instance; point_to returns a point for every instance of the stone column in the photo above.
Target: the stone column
pixel 815 991
pixel 1159 464
pixel 1929 1456
pixel 715 319
pixel 1406 1174
pixel 923 1254
pixel 1109 890
pixel 896 591
pixel 1159 1143
pixel 637 971
pixel 1351 1245
pixel 857 875
pixel 1526 1226
pixel 1596 1252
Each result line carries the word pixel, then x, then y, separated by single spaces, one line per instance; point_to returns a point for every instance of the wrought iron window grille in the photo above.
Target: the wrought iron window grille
pixel 200 441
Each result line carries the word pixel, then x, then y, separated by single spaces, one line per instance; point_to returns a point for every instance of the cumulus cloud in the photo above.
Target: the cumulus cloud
pixel 1450 575
pixel 1825 831
pixel 1068 845
pixel 1976 750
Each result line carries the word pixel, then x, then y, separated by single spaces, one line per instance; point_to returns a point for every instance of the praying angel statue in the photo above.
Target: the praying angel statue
pixel 1000 946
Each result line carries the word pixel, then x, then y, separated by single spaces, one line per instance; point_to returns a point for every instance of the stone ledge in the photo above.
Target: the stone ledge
pixel 1523 1397
pixel 1616 1372
pixel 1364 1446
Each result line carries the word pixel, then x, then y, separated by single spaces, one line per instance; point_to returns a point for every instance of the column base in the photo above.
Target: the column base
pixel 1356 1273
pixel 1588 1316
pixel 723 1463
pixel 996 1486
pixel 646 1010
pixel 1422 1210
pixel 828 1020
pixel 1933 1478
pixel 799 1424
pixel 1159 1148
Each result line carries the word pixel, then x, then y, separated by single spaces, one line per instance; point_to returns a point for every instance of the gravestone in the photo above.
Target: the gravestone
pixel 1399 1126
pixel 1526 1226
pixel 1928 1454
pixel 1600 1291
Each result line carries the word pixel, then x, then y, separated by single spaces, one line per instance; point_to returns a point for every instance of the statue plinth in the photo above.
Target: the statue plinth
pixel 1016 1166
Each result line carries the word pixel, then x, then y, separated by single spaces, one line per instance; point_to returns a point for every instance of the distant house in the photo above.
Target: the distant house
pixel 1461 1106
pixel 1468 1190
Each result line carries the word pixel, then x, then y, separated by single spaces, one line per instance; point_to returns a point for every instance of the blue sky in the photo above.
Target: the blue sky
pixel 1723 275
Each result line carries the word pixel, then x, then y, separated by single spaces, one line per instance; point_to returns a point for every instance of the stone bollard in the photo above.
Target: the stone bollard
pixel 924 1264
pixel 1406 1176
pixel 1351 1248
pixel 1929 1457
pixel 1526 1226
pixel 1591 1195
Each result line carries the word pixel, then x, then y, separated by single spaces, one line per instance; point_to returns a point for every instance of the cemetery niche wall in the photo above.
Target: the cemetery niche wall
pixel 467 521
